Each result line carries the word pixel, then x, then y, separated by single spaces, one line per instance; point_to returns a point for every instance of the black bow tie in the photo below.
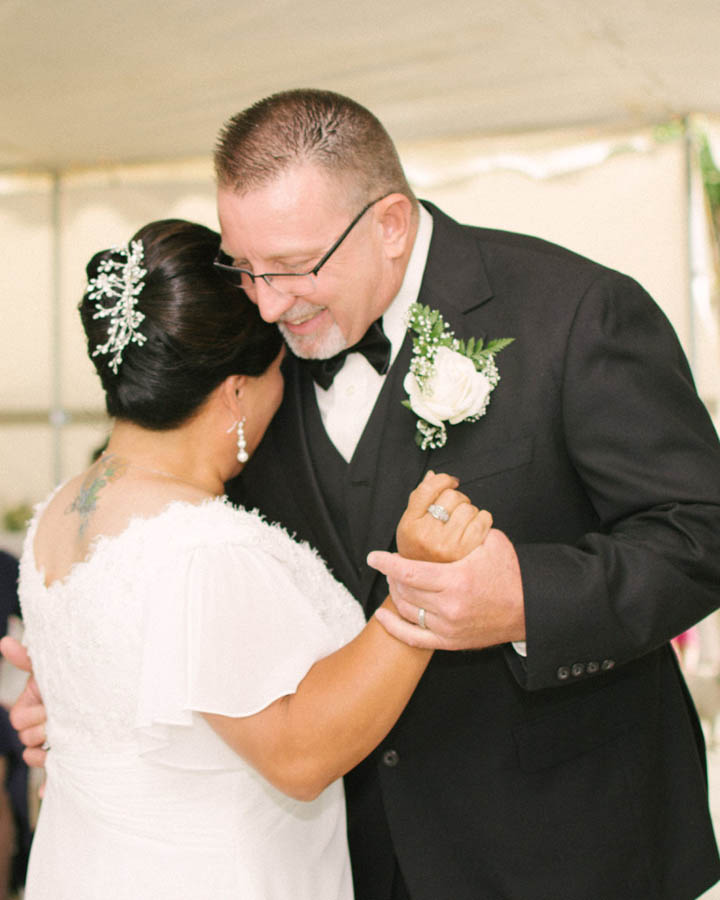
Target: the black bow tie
pixel 374 346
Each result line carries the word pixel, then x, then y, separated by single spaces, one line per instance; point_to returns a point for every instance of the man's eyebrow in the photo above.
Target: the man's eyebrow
pixel 300 256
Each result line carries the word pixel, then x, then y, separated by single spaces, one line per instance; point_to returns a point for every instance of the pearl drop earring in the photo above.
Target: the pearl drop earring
pixel 242 454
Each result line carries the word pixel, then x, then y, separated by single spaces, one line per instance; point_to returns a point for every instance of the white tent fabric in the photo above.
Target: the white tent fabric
pixel 86 83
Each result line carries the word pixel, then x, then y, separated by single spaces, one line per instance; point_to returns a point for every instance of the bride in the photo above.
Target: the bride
pixel 207 681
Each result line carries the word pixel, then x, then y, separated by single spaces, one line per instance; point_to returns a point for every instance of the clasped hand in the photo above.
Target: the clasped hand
pixel 28 714
pixel 462 573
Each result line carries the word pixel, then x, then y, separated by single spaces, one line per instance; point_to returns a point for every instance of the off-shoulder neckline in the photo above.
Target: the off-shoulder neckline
pixel 101 543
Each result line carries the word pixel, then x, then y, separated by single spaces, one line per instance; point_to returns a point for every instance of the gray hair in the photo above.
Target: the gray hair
pixel 313 127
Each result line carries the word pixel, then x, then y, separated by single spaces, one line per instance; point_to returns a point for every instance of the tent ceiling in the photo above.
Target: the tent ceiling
pixel 87 82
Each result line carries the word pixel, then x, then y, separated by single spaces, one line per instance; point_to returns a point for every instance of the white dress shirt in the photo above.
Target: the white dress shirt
pixel 346 405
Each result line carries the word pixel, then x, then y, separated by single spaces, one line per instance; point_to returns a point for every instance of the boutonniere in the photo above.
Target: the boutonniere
pixel 450 380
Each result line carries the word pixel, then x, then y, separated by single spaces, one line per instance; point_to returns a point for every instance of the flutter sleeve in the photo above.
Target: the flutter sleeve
pixel 228 631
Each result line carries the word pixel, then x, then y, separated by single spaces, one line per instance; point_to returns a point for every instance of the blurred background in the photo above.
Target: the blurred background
pixel 595 126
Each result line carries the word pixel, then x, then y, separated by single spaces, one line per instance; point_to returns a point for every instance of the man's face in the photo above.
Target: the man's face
pixel 287 226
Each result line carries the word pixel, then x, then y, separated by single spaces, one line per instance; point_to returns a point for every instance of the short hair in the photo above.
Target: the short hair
pixel 321 128
pixel 199 329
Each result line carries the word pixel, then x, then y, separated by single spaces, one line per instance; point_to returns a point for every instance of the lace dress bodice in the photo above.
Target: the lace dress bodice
pixel 199 608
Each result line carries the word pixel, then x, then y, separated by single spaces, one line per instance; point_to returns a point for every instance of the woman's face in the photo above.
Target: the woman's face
pixel 261 398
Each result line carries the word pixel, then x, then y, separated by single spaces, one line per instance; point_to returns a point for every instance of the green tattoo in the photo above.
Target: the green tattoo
pixel 86 501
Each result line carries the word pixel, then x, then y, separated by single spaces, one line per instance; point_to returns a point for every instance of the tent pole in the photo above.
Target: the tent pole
pixel 57 415
pixel 693 269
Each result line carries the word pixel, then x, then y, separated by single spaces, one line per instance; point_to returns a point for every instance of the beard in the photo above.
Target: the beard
pixel 312 346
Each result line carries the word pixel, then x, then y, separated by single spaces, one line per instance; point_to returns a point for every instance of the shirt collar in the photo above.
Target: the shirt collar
pixel 394 318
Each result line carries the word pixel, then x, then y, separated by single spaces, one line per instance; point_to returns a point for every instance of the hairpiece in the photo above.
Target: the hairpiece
pixel 122 282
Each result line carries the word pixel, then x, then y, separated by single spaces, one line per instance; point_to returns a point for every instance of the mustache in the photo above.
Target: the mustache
pixel 299 311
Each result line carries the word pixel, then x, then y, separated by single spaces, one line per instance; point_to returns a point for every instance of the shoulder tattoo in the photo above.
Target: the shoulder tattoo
pixel 109 468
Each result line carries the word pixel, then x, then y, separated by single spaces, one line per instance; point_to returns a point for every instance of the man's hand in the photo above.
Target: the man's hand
pixel 28 715
pixel 470 604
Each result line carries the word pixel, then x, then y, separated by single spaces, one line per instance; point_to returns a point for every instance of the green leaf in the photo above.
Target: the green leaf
pixel 498 344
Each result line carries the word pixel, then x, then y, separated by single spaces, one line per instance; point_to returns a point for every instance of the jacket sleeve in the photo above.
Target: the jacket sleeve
pixel 648 457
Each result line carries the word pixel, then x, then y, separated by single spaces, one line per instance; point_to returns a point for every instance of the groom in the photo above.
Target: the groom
pixel 578 769
pixel 551 750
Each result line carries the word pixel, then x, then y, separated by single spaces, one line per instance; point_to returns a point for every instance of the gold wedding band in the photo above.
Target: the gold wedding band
pixel 421 618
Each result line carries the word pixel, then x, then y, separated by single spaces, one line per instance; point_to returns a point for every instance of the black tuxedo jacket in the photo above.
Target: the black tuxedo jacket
pixel 579 772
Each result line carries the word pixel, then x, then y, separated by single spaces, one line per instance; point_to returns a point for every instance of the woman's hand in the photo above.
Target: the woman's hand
pixel 422 536
pixel 460 591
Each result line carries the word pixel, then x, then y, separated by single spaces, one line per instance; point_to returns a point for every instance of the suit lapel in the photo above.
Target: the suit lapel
pixel 396 466
pixel 455 282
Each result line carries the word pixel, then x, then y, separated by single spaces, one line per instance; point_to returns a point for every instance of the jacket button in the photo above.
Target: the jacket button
pixel 390 758
pixel 607 664
pixel 563 673
pixel 593 667
pixel 578 669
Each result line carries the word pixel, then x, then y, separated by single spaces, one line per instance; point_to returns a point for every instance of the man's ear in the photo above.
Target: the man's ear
pixel 397 220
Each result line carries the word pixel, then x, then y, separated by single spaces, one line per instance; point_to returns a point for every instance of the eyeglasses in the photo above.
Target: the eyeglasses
pixel 297 283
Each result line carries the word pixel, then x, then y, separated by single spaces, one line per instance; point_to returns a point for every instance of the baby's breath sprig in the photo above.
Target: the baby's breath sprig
pixel 432 331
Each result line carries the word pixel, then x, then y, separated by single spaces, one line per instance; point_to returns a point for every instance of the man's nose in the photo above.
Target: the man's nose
pixel 271 303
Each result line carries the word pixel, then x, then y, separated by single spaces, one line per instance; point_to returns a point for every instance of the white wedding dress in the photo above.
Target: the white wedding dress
pixel 201 607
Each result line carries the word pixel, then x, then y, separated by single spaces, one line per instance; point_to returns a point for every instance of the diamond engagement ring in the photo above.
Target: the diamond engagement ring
pixel 421 618
pixel 438 512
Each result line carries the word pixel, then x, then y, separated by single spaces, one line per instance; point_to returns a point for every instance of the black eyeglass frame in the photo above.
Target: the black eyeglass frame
pixel 236 273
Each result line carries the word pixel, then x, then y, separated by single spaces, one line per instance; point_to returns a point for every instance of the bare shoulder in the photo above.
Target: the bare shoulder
pixel 89 490
pixel 68 523
pixel 99 502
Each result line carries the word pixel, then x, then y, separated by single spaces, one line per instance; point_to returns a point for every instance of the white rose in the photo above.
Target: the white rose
pixel 455 390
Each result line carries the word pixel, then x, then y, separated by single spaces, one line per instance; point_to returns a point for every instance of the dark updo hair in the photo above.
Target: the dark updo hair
pixel 198 328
